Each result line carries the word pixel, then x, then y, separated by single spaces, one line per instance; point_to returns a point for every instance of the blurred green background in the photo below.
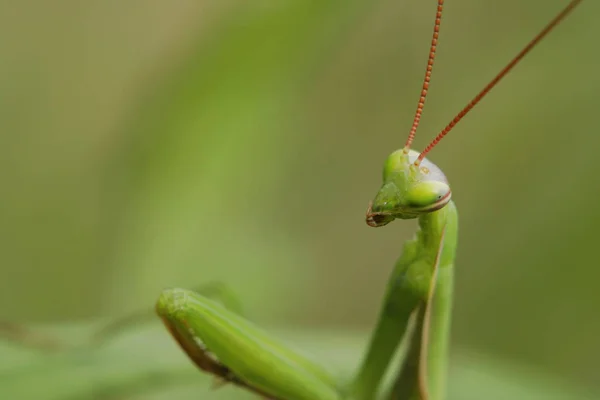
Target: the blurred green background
pixel 151 144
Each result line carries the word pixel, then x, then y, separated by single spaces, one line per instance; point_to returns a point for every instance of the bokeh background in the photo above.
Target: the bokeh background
pixel 151 144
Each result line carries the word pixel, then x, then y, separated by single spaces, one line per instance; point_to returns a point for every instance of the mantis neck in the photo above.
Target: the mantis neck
pixel 437 230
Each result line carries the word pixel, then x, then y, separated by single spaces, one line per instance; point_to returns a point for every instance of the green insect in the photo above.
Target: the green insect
pixel 416 310
pixel 417 304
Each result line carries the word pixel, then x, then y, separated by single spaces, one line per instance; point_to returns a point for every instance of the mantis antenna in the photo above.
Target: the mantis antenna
pixel 551 25
pixel 436 33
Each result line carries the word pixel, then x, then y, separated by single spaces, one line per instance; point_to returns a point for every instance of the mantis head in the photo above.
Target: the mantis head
pixel 412 185
pixel 409 189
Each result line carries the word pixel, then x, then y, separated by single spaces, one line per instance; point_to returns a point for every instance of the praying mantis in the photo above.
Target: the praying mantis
pixel 417 305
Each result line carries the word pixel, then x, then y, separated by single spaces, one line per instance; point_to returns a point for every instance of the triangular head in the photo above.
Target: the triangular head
pixel 413 186
pixel 409 189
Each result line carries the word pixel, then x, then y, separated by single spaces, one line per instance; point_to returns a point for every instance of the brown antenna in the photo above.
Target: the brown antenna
pixel 436 32
pixel 498 77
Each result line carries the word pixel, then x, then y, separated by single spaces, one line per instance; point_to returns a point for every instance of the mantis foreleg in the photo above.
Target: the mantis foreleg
pixel 243 354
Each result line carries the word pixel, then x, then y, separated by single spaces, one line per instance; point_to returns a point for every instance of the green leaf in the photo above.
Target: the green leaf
pixel 145 363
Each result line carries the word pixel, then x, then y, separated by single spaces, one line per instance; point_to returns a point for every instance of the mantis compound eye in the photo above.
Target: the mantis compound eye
pixel 428 196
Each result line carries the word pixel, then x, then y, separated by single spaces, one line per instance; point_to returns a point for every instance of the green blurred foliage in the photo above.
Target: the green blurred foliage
pixel 154 144
pixel 145 364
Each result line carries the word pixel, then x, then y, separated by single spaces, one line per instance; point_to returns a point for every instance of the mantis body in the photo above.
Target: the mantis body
pixel 417 305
